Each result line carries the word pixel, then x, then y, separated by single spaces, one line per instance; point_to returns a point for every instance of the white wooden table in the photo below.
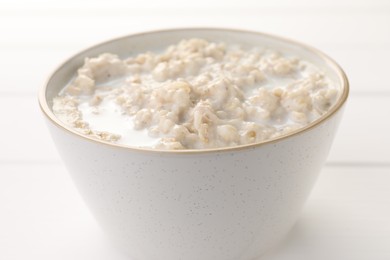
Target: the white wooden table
pixel 42 216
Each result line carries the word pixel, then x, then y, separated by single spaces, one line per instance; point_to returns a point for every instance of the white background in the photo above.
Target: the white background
pixel 43 217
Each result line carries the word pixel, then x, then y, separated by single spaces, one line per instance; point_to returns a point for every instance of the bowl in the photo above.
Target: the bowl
pixel 224 203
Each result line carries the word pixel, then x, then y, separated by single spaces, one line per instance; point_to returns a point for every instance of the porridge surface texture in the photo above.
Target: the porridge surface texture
pixel 194 95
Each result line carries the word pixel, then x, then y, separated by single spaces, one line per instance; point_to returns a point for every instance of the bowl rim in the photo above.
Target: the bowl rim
pixel 329 61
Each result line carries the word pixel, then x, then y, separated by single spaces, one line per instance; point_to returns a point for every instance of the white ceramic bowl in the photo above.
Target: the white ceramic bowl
pixel 215 204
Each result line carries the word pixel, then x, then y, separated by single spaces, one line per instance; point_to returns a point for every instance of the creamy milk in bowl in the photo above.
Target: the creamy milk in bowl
pixel 195 143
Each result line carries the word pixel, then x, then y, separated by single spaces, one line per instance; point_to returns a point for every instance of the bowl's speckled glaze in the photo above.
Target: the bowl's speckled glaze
pixel 228 203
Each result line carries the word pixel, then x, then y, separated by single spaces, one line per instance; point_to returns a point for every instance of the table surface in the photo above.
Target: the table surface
pixel 43 217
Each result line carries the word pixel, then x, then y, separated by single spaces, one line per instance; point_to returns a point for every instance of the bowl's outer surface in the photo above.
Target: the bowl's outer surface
pixel 228 204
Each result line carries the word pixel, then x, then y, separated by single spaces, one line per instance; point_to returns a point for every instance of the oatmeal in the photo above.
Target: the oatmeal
pixel 194 95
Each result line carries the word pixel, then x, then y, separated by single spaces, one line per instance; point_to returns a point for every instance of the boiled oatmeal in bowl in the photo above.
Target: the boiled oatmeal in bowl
pixel 195 94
